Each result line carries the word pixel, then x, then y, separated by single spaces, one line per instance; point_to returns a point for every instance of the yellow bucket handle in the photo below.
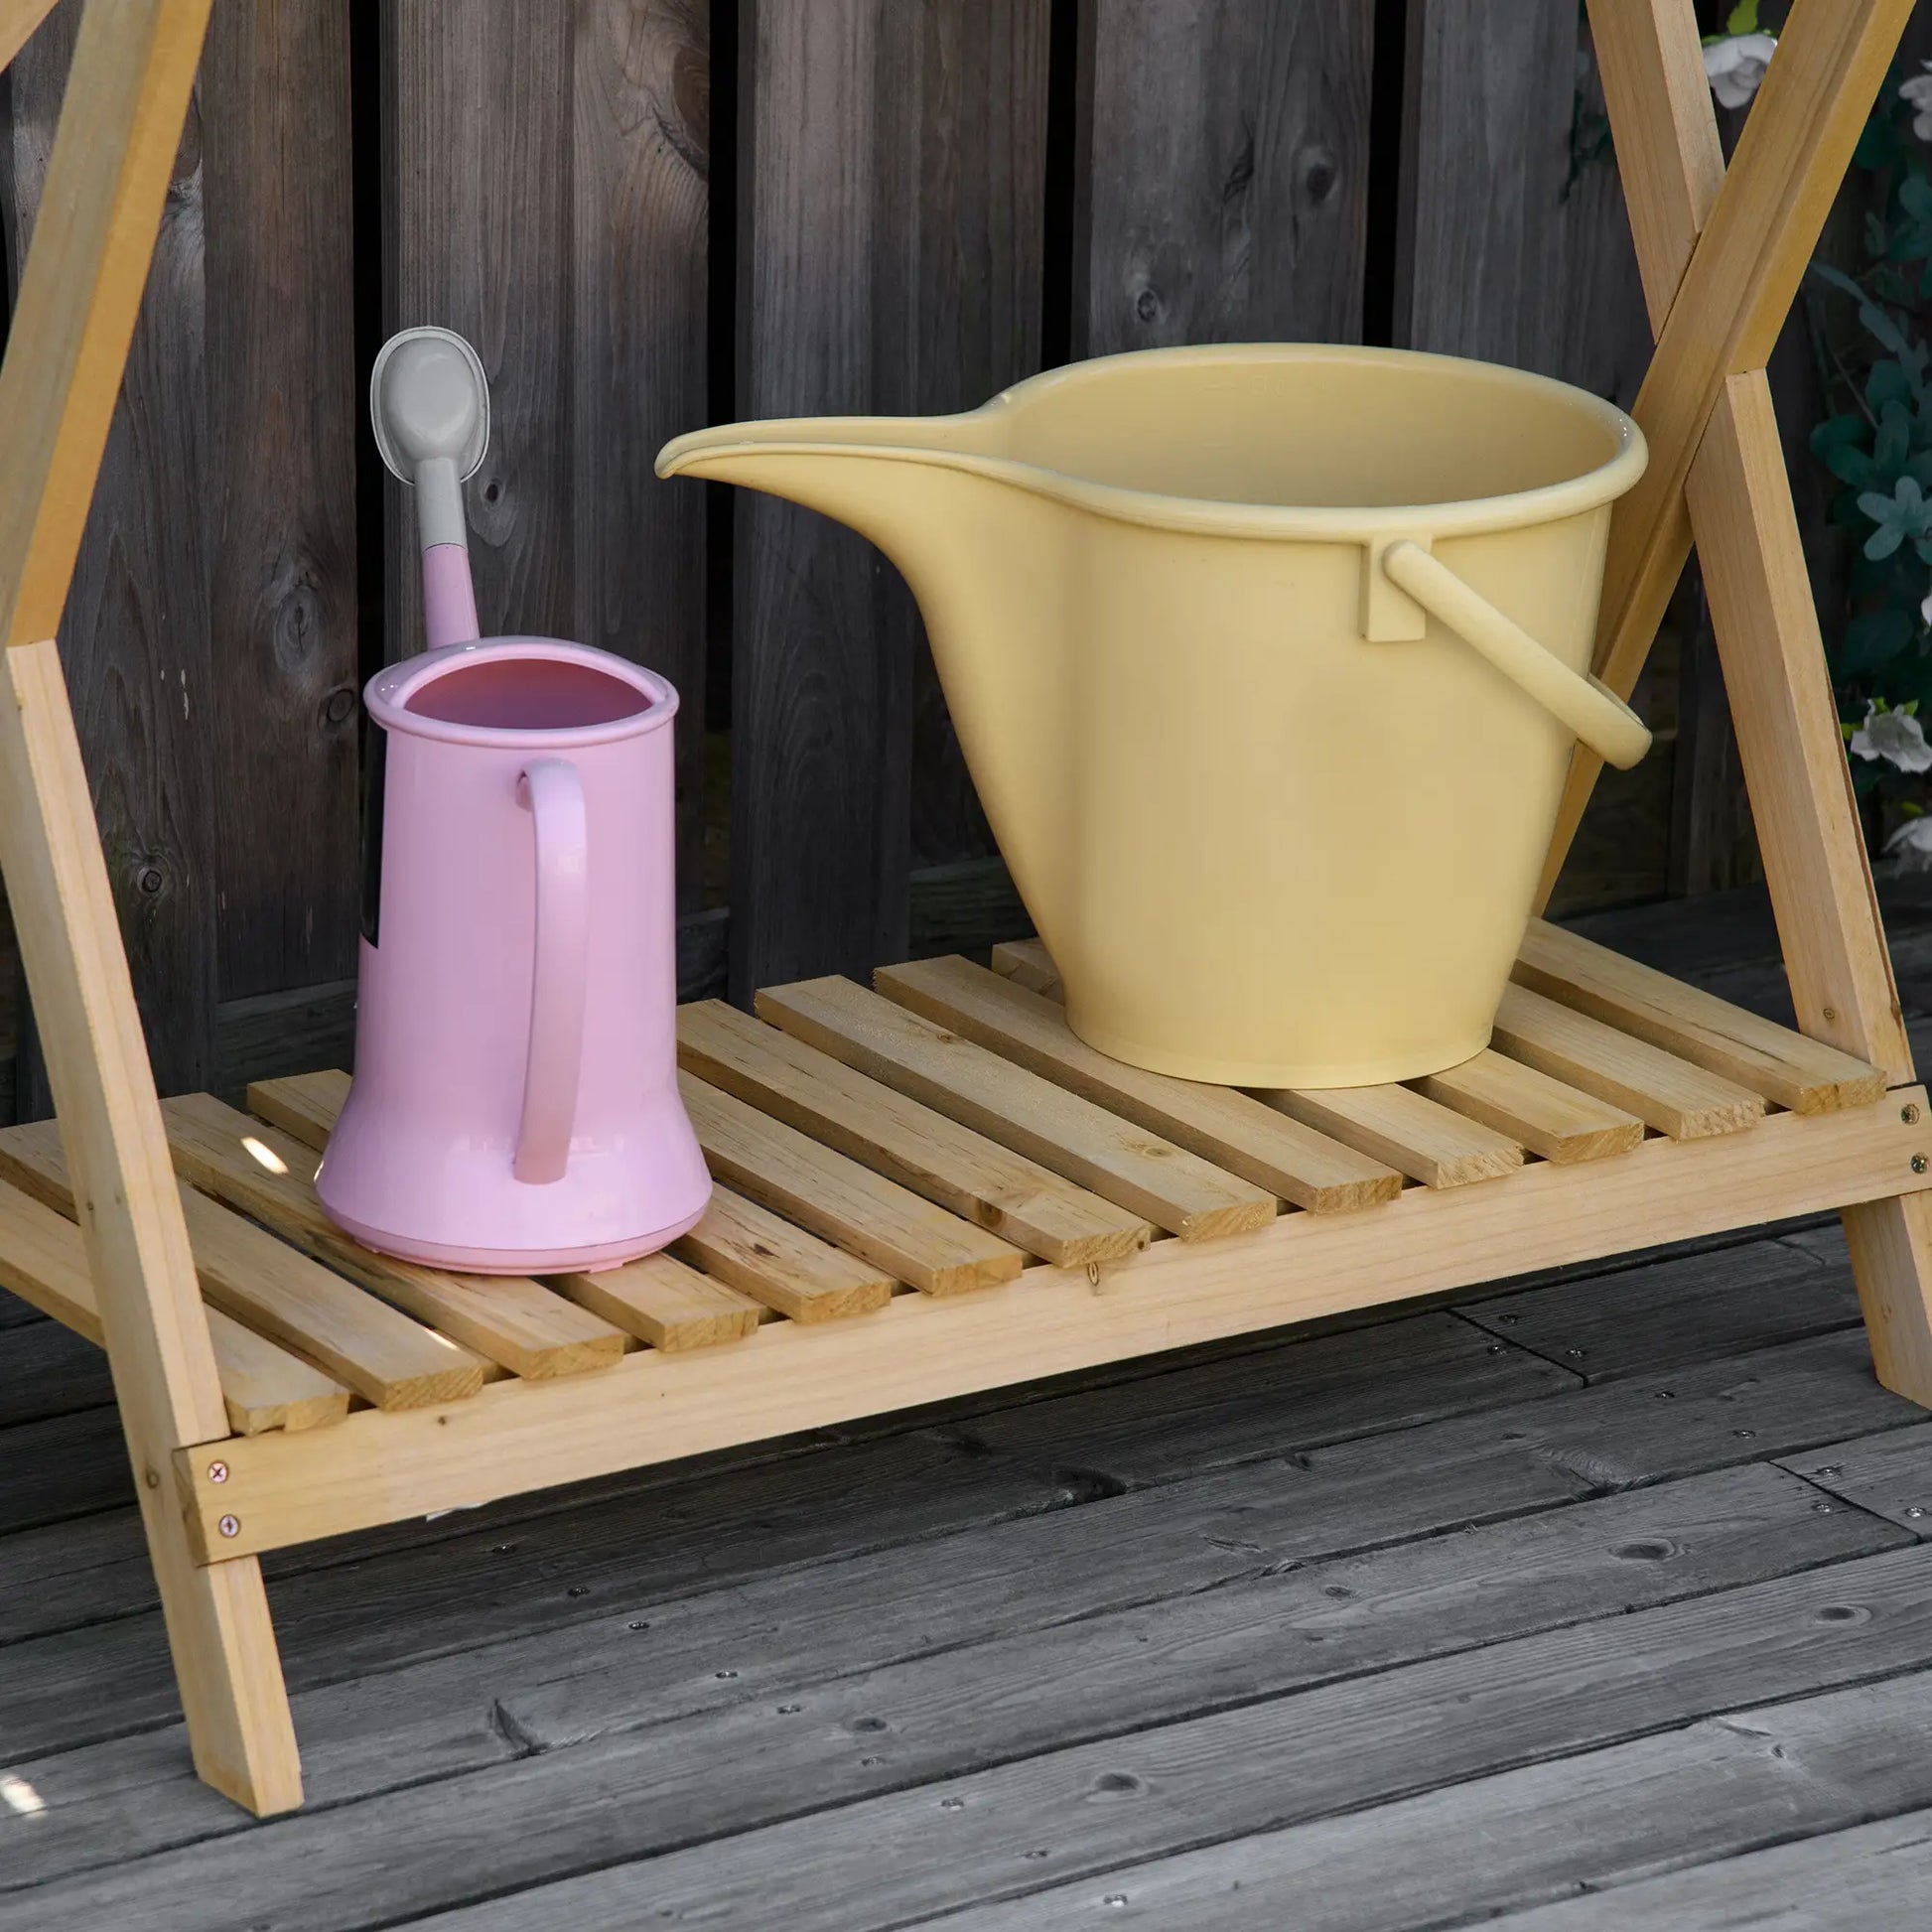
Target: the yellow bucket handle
pixel 1586 705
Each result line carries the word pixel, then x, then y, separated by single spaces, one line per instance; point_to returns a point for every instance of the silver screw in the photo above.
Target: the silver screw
pixel 217 1472
pixel 1746 1434
pixel 1115 1898
pixel 229 1526
pixel 1575 1355
pixel 1821 1510
pixel 1830 1469
pixel 952 1804
pixel 1909 1113
pixel 1912 1510
pixel 1921 1163
pixel 152 1477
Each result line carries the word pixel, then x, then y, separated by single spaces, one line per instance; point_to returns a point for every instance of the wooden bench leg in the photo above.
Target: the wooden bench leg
pixel 151 1308
pixel 1793 755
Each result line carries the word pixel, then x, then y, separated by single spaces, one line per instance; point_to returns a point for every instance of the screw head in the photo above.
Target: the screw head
pixel 952 1804
pixel 229 1526
pixel 1909 1113
pixel 1745 1434
pixel 1914 1511
pixel 1830 1469
pixel 1821 1510
pixel 152 1477
pixel 1919 1164
pixel 217 1472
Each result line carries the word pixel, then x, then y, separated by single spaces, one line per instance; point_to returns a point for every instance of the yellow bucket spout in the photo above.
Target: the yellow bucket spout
pixel 1266 663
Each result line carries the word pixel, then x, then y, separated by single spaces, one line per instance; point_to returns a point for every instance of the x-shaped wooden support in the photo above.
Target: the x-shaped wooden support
pixel 1722 254
pixel 127 94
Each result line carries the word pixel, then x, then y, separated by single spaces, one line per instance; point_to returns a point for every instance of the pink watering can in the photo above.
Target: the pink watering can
pixel 515 1105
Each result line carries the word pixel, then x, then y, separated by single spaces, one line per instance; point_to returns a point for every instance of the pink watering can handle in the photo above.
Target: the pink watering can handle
pixel 551 791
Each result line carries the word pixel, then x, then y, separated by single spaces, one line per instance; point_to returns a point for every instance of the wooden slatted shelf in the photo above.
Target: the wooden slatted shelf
pixel 935 1187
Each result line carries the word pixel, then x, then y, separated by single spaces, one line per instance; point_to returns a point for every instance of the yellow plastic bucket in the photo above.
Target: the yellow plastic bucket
pixel 1266 663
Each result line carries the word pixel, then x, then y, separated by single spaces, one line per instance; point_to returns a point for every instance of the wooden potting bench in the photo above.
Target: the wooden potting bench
pixel 933 1187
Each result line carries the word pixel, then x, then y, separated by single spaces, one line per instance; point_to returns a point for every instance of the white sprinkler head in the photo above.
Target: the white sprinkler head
pixel 429 402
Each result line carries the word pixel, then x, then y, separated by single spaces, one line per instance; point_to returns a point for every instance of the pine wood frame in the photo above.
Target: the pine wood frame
pixel 1720 257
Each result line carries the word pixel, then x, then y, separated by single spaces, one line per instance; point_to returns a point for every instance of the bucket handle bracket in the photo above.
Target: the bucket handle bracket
pixel 1583 704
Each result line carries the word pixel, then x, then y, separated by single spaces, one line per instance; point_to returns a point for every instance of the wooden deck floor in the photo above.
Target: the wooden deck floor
pixel 1596 1602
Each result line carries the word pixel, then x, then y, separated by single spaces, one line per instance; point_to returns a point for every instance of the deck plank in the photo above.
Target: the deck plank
pixel 510 1320
pixel 279 1292
pixel 1148 1176
pixel 1889 1474
pixel 874 1861
pixel 1817 1766
pixel 664 1302
pixel 915 1145
pixel 1228 1129
pixel 1429 1141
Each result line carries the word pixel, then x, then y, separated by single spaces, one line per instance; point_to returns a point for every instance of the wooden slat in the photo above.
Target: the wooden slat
pixel 305 1106
pixel 1028 963
pixel 44 1261
pixel 1230 1129
pixel 927 1151
pixel 1164 1183
pixel 850 1205
pixel 18 19
pixel 1556 1121
pixel 662 1301
pixel 381 1354
pixel 1806 1075
pixel 1427 1142
pixel 922 1349
pixel 270 1177
pixel 1665 1092
pixel 790 1271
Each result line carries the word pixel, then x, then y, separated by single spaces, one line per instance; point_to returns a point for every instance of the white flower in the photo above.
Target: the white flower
pixel 1736 64
pixel 1911 844
pixel 1918 90
pixel 1925 610
pixel 1895 735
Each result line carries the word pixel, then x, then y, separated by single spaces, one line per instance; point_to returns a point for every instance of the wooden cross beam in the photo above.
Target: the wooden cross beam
pixel 1721 254
pixel 126 98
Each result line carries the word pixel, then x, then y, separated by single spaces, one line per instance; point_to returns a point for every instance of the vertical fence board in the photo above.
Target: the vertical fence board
pixel 639 271
pixel 135 639
pixel 1226 158
pixel 1485 152
pixel 477 234
pixel 545 195
pixel 280 486
pixel 890 193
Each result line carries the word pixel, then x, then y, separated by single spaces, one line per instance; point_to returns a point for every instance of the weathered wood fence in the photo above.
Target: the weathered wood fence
pixel 651 213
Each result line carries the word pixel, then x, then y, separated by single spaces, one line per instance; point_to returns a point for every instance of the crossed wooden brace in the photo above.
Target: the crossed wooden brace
pixel 1721 254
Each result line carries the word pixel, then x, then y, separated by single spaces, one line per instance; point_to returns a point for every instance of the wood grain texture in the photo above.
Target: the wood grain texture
pixel 44 1258
pixel 1665 1092
pixel 1485 155
pixel 1558 1122
pixel 843 1203
pixel 270 1177
pixel 1147 1175
pixel 278 721
pixel 793 1273
pixel 1806 1075
pixel 662 1301
pixel 129 86
pixel 374 1349
pixel 1230 1130
pixel 135 629
pixel 791 1376
pixel 1728 309
pixel 913 1145
pixel 1242 214
pixel 18 21
pixel 1418 1135
pixel 889 253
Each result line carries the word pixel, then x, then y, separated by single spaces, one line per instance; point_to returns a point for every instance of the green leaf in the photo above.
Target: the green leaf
pixel 1882 541
pixel 1874 639
pixel 1888 382
pixel 1742 19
